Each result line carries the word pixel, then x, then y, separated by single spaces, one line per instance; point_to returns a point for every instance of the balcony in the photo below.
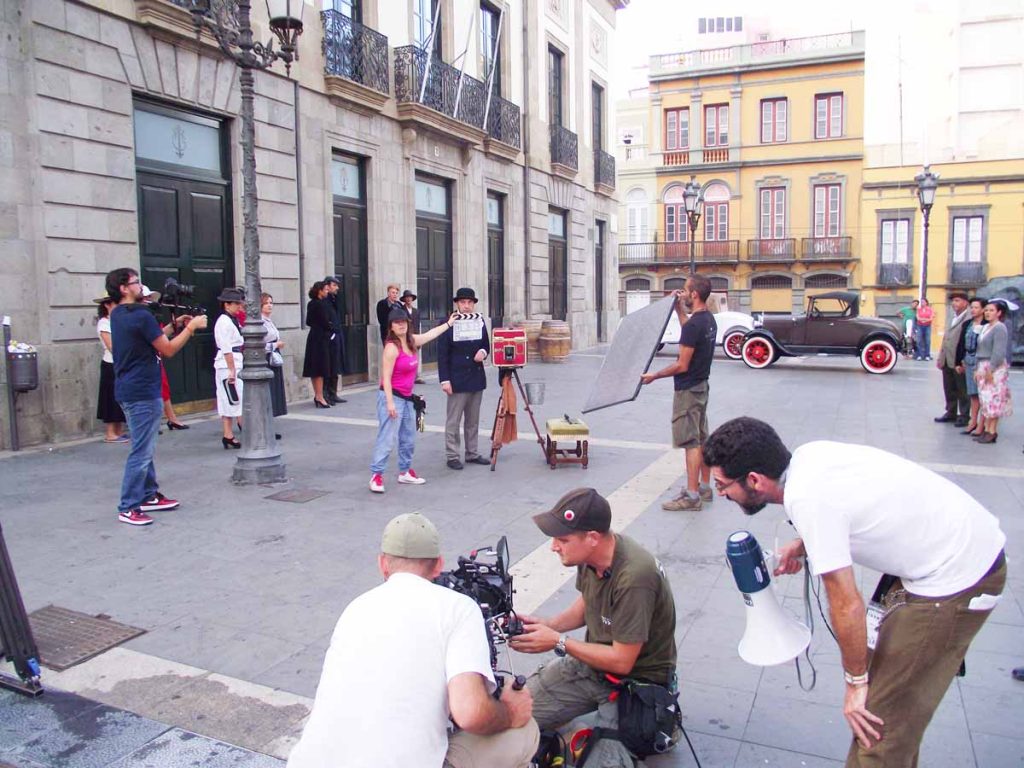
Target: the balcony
pixel 705 252
pixel 716 155
pixel 676 157
pixel 894 274
pixel 451 104
pixel 826 249
pixel 846 46
pixel 564 151
pixel 504 128
pixel 967 273
pixel 777 251
pixel 355 61
pixel 604 172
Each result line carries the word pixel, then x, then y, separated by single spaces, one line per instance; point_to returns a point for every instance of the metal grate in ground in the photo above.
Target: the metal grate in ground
pixel 297 495
pixel 66 638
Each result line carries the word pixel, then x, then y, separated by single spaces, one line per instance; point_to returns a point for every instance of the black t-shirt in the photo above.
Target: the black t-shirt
pixel 133 329
pixel 698 332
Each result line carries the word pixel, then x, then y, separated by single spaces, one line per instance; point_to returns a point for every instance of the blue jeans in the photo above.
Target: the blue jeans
pixel 924 342
pixel 402 429
pixel 139 482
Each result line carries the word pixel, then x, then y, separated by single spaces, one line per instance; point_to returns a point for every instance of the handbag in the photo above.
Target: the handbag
pixel 274 359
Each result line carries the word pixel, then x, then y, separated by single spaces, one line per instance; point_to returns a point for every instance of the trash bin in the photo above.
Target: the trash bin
pixel 535 393
pixel 24 370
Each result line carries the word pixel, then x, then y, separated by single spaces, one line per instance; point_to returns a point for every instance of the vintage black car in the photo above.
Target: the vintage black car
pixel 832 326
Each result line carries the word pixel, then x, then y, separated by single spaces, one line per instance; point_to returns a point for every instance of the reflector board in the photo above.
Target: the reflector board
pixel 636 342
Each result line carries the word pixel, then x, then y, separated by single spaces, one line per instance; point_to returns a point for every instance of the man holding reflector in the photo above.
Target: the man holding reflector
pixel 940 550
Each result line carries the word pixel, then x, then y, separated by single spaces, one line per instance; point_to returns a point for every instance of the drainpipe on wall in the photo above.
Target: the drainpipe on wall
pixel 298 205
pixel 526 157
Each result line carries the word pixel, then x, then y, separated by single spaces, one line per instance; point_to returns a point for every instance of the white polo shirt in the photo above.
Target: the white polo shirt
pixel 856 504
pixel 383 694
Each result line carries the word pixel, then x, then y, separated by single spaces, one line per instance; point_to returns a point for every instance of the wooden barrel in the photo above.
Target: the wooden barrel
pixel 555 341
pixel 532 328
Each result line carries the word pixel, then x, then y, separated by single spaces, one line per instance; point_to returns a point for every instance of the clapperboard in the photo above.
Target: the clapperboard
pixel 468 326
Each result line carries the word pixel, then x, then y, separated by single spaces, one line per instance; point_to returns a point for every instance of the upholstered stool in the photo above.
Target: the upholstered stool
pixel 567 431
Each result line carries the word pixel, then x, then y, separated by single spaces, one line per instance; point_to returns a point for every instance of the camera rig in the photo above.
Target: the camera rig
pixel 488 582
pixel 178 299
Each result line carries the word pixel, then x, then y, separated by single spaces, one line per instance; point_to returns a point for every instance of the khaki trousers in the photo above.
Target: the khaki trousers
pixel 462 407
pixel 514 748
pixel 919 650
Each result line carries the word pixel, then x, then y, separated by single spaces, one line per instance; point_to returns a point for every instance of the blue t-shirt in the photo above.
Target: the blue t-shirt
pixel 133 329
pixel 698 332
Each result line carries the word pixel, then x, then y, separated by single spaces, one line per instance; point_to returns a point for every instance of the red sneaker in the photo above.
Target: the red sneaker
pixel 159 503
pixel 135 517
pixel 377 483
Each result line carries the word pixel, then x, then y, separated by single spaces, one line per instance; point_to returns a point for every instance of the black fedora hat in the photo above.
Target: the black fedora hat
pixel 408 293
pixel 231 294
pixel 398 315
pixel 332 279
pixel 465 293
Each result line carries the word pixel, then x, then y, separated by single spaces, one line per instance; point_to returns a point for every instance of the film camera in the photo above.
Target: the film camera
pixel 484 577
pixel 178 299
pixel 508 347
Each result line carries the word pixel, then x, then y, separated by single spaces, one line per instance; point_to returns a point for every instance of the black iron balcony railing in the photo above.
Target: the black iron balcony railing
pixel 827 248
pixel 443 92
pixel 966 272
pixel 604 168
pixel 705 252
pixel 894 274
pixel 355 52
pixel 504 123
pixel 778 250
pixel 564 147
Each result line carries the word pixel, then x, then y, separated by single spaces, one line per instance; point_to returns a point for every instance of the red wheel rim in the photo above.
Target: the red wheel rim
pixel 757 352
pixel 734 344
pixel 878 356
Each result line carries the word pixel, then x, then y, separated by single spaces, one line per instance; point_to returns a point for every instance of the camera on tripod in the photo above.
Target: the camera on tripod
pixel 508 347
pixel 484 577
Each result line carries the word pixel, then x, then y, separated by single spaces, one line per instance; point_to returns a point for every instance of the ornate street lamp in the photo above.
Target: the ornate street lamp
pixel 927 184
pixel 693 199
pixel 259 460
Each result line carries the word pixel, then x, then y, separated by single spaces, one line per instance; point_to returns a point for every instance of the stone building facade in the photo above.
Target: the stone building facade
pixel 119 144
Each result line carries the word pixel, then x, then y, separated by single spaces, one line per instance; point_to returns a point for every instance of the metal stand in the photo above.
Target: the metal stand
pixel 12 396
pixel 16 641
pixel 502 413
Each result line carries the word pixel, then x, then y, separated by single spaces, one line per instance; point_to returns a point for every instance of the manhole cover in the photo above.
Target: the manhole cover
pixel 297 495
pixel 66 638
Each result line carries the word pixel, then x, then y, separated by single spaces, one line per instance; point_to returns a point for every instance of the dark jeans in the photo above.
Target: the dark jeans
pixel 924 342
pixel 139 483
pixel 954 386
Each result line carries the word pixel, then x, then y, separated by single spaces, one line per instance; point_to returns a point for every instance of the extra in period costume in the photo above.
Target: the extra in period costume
pixel 457 348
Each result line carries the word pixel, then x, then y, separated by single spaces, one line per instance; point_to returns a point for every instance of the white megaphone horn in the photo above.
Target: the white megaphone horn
pixel 772 636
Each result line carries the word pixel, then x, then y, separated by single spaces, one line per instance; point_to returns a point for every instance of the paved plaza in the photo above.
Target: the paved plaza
pixel 239 593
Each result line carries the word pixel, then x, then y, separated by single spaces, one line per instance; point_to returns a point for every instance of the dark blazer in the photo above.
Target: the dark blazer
pixel 319 318
pixel 338 345
pixel 455 360
pixel 414 319
pixel 383 310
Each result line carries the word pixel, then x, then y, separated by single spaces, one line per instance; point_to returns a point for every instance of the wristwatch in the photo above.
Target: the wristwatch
pixel 560 646
pixel 855 679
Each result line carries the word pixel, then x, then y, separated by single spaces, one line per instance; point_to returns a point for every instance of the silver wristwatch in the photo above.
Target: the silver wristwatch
pixel 560 646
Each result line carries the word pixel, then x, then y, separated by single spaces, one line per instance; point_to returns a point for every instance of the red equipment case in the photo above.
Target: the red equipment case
pixel 508 347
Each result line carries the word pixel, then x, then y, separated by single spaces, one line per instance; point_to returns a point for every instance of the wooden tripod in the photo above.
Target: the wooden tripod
pixel 502 413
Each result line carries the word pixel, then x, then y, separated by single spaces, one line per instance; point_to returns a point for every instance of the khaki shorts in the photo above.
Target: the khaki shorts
pixel 690 417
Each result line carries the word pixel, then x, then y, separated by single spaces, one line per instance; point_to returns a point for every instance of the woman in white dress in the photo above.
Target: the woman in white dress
pixel 228 337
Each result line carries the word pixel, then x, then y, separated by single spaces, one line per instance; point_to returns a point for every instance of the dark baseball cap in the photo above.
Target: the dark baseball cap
pixel 583 509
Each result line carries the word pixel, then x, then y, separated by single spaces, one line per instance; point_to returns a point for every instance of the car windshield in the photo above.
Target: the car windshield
pixel 829 308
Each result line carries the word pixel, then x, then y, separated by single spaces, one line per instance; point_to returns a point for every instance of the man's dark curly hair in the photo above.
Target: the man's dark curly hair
pixel 746 445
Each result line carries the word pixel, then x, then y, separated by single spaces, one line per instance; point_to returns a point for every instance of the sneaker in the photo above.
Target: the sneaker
pixel 705 493
pixel 410 478
pixel 159 503
pixel 135 517
pixel 683 503
pixel 377 483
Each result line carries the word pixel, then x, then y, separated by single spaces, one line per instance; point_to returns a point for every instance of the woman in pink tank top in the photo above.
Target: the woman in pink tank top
pixel 396 416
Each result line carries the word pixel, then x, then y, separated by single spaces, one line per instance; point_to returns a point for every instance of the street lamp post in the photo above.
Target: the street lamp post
pixel 259 460
pixel 693 199
pixel 927 184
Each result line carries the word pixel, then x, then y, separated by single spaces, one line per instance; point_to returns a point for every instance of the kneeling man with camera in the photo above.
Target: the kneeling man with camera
pixel 626 604
pixel 406 657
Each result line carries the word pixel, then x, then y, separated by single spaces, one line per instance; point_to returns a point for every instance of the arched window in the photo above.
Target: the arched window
pixel 674 284
pixel 771 281
pixel 825 281
pixel 636 216
pixel 716 211
pixel 719 284
pixel 638 284
pixel 676 225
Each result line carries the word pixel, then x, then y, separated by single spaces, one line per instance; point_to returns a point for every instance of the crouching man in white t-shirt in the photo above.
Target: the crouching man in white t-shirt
pixel 404 658
pixel 855 504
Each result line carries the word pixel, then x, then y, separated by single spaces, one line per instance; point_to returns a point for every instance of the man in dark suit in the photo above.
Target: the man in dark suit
pixel 337 343
pixel 384 307
pixel 408 297
pixel 461 352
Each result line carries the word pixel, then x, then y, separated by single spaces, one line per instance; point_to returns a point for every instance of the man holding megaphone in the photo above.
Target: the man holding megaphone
pixel 941 553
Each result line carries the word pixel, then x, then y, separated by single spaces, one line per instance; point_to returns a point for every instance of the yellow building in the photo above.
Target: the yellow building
pixel 976 232
pixel 773 133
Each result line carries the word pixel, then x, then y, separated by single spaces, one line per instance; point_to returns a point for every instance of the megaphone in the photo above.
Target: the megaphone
pixel 772 636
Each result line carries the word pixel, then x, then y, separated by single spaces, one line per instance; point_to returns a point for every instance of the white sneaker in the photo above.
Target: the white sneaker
pixel 377 483
pixel 410 478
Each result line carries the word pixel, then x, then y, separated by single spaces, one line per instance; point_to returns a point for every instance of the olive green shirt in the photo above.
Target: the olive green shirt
pixel 633 604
